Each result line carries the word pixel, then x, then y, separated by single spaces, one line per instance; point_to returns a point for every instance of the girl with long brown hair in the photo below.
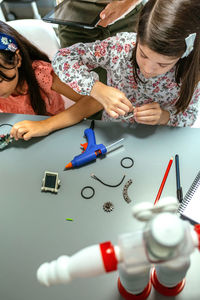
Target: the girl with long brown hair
pixel 155 72
pixel 28 85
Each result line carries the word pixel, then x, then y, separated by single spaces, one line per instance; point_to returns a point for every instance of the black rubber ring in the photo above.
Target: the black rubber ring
pixel 87 187
pixel 128 158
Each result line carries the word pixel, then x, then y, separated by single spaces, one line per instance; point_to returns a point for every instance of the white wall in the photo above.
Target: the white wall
pixel 1 13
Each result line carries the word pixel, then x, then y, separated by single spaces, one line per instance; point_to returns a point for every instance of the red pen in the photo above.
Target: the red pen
pixel 164 180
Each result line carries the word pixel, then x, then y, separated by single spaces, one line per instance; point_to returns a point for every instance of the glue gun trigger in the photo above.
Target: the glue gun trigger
pixel 84 146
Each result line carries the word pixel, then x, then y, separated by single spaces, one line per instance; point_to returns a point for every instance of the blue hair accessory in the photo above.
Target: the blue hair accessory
pixel 189 44
pixel 7 43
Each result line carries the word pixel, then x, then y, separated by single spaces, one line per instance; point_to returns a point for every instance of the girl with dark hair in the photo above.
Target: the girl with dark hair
pixel 155 73
pixel 28 85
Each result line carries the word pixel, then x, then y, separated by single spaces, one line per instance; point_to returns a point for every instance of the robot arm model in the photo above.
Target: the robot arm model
pixel 165 243
pixel 91 261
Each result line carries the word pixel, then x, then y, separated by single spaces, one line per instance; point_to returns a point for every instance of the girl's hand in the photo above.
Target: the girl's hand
pixel 112 99
pixel 151 114
pixel 28 129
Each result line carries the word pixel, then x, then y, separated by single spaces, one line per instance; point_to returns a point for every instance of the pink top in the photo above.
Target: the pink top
pixel 20 104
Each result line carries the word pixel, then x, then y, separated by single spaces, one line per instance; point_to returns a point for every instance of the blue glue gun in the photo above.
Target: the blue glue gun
pixel 91 150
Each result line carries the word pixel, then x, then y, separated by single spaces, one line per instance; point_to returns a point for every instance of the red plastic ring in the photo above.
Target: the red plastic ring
pixel 128 296
pixel 163 290
pixel 197 229
pixel 108 256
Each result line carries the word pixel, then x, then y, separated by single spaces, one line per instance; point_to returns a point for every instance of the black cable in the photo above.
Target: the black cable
pixel 92 125
pixel 106 184
pixel 6 125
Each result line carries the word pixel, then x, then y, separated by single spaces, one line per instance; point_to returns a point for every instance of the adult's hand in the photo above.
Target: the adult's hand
pixel 115 10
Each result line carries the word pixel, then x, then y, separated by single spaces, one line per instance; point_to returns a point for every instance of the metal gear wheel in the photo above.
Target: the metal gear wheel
pixel 108 206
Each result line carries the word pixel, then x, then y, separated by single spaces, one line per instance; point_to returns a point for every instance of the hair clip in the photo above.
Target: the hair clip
pixel 189 40
pixel 7 42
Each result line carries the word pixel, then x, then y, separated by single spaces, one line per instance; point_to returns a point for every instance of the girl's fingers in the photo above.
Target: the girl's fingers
pixel 120 112
pixel 127 103
pixel 151 120
pixel 113 114
pixel 13 133
pixel 146 113
pixel 140 111
pixel 116 112
pixel 27 136
pixel 19 132
pixel 124 108
pixel 146 118
pixel 121 108
pixel 152 105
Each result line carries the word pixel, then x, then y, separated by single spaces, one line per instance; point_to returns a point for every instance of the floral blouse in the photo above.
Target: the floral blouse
pixel 74 66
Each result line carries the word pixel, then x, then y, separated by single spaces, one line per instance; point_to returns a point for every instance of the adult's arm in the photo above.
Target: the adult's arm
pixel 116 10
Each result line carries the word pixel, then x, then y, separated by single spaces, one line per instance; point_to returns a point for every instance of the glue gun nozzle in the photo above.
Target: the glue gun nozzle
pixel 68 166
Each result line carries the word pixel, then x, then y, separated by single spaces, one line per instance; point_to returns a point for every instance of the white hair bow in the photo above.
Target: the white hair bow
pixel 189 44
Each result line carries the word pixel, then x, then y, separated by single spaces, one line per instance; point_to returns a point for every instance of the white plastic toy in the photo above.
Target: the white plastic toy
pixel 159 255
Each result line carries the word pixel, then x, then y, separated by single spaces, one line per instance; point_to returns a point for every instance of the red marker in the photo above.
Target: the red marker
pixel 164 180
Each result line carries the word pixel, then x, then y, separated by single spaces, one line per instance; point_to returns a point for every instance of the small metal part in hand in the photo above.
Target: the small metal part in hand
pixel 108 206
pixel 128 115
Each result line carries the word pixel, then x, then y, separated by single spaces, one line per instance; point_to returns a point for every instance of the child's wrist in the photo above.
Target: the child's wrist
pixel 164 117
pixel 48 125
pixel 96 90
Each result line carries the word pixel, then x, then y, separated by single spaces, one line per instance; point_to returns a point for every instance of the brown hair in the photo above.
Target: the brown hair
pixel 28 53
pixel 163 26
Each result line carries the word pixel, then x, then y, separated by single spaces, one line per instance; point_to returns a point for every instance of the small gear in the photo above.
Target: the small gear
pixel 108 206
